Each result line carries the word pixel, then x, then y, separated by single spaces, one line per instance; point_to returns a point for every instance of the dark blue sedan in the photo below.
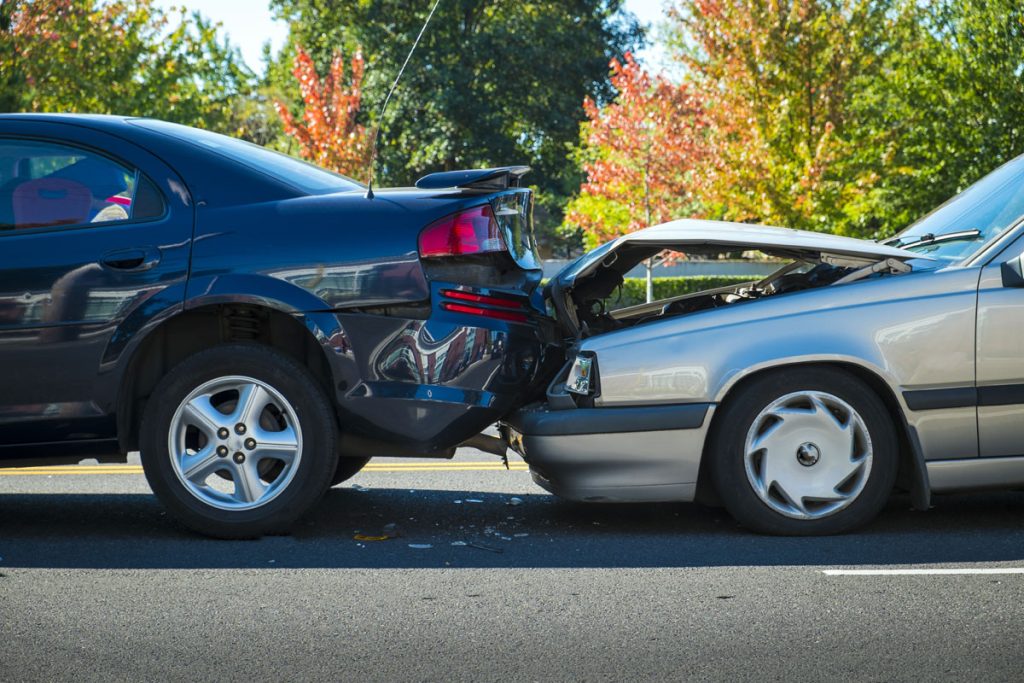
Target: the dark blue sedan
pixel 256 326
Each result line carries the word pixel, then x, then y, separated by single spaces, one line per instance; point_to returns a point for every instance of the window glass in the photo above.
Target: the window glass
pixel 990 206
pixel 300 174
pixel 44 184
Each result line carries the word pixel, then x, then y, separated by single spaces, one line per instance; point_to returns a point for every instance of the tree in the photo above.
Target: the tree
pixel 643 155
pixel 330 136
pixel 852 116
pixel 778 78
pixel 492 83
pixel 120 56
pixel 946 109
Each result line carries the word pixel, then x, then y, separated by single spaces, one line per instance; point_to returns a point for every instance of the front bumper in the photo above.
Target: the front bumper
pixel 626 454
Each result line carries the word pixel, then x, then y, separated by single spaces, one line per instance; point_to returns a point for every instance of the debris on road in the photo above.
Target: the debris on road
pixel 388 532
pixel 481 546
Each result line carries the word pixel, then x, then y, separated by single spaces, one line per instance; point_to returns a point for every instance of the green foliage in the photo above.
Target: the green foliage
pixel 947 109
pixel 634 289
pixel 492 83
pixel 778 79
pixel 852 116
pixel 125 57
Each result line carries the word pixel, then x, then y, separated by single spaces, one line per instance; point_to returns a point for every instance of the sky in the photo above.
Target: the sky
pixel 249 24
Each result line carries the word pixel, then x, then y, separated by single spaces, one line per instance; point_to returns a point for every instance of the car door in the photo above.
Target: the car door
pixel 1000 357
pixel 91 228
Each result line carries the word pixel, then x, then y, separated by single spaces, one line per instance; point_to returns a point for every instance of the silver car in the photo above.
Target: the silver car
pixel 802 400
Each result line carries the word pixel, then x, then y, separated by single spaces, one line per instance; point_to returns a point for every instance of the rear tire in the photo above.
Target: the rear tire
pixel 804 451
pixel 238 441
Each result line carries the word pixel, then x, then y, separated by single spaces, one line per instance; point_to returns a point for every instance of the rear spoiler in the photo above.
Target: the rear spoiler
pixel 499 178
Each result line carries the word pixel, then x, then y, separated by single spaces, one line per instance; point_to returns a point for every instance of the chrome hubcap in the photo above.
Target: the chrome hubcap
pixel 235 443
pixel 832 450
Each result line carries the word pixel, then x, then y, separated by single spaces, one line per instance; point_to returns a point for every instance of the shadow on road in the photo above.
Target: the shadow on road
pixel 131 531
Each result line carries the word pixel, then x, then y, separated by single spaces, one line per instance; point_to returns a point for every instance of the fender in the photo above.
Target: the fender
pixel 920 487
pixel 245 288
pixel 778 361
pixel 143 319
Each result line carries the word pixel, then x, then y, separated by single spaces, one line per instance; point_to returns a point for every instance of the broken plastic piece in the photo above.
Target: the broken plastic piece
pixel 488 548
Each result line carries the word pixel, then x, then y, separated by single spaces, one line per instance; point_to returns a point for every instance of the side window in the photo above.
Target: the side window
pixel 46 184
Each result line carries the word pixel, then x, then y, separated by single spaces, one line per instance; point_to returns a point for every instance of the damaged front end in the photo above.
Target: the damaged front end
pixel 627 416
pixel 582 294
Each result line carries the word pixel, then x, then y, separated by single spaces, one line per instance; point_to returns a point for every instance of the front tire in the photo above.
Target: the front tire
pixel 238 441
pixel 804 451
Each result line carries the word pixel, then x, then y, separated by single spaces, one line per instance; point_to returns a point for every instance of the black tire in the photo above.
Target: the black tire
pixel 736 417
pixel 312 473
pixel 347 468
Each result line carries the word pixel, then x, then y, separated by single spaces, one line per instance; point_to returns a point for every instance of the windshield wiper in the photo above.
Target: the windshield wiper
pixel 929 238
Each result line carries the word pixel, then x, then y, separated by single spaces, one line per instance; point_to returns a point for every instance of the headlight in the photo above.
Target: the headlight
pixel 579 380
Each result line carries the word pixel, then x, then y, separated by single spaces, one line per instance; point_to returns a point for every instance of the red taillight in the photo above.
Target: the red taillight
pixel 470 232
pixel 512 316
pixel 484 299
pixel 518 313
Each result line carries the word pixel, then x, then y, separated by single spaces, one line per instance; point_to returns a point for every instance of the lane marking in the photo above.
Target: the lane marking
pixel 923 572
pixel 74 470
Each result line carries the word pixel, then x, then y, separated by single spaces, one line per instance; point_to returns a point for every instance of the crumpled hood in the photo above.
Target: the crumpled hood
pixel 701 236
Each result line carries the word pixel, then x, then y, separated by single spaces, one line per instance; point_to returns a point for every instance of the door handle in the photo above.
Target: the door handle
pixel 134 259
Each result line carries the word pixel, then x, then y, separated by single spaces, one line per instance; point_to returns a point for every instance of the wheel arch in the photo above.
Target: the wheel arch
pixel 913 475
pixel 204 326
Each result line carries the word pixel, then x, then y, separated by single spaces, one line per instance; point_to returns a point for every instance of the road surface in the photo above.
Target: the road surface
pixel 493 579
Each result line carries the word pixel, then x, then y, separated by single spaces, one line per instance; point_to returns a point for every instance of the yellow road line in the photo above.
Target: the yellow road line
pixel 71 470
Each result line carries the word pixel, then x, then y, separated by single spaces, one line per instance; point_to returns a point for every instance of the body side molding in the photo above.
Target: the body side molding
pixel 975 474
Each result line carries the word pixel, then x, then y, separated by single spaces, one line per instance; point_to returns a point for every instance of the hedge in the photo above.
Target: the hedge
pixel 634 290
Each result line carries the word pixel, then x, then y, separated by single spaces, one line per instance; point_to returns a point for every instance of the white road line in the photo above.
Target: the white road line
pixel 922 572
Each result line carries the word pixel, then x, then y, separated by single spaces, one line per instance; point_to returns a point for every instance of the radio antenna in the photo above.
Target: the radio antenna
pixel 384 108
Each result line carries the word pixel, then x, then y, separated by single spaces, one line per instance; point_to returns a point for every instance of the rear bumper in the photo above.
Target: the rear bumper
pixel 629 454
pixel 431 384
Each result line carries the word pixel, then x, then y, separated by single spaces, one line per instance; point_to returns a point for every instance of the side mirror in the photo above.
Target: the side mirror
pixel 1013 272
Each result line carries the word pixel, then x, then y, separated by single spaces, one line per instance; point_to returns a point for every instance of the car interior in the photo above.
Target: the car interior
pixel 46 186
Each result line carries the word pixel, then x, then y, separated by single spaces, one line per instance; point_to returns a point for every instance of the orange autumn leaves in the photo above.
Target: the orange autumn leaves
pixel 329 134
pixel 643 154
pixel 762 127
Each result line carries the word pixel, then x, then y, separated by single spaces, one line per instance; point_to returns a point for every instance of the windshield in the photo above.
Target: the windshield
pixel 990 206
pixel 299 174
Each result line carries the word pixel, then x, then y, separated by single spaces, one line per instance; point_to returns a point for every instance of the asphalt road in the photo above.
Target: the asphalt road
pixel 96 584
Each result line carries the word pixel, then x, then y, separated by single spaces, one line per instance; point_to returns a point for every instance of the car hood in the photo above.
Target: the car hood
pixel 711 237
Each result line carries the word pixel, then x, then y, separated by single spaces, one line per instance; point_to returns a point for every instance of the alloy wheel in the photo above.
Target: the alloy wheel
pixel 235 443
